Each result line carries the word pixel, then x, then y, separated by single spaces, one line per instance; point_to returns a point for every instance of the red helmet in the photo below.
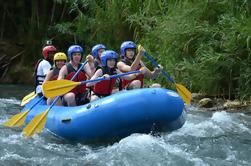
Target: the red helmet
pixel 48 49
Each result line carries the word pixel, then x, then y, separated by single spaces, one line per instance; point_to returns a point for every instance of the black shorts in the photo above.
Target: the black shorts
pixel 80 99
pixel 101 95
pixel 41 95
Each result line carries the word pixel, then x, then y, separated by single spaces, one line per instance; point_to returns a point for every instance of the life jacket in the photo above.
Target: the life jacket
pixel 139 77
pixel 39 79
pixel 104 88
pixel 97 65
pixel 80 77
pixel 55 72
pixel 42 77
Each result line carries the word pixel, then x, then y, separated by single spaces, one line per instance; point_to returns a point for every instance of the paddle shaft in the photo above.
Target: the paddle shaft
pixel 112 76
pixel 185 94
pixel 81 67
pixel 37 102
pixel 150 58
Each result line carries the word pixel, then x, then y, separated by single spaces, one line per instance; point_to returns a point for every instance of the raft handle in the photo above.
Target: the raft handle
pixel 66 120
pixel 89 106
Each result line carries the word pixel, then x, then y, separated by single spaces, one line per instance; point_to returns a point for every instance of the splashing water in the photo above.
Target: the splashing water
pixel 207 138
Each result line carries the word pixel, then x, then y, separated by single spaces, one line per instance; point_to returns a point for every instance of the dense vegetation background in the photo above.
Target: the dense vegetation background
pixel 203 44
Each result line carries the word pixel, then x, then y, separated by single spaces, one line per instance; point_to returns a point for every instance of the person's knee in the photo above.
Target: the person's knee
pixel 69 96
pixel 135 84
pixel 49 101
pixel 70 99
pixel 155 85
pixel 94 97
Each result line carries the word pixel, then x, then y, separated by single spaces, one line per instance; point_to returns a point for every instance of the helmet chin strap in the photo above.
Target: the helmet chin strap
pixel 76 62
pixel 130 59
pixel 50 61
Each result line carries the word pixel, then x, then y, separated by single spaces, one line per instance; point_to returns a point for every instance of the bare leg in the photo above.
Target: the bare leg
pixel 50 100
pixel 155 85
pixel 94 97
pixel 70 99
pixel 135 84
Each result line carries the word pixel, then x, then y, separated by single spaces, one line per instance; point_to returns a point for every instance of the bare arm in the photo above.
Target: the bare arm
pixel 48 76
pixel 89 67
pixel 97 74
pixel 151 74
pixel 123 67
pixel 127 77
pixel 62 73
pixel 136 62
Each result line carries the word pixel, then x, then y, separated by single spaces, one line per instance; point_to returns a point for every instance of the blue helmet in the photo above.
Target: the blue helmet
pixel 74 48
pixel 125 45
pixel 96 48
pixel 109 54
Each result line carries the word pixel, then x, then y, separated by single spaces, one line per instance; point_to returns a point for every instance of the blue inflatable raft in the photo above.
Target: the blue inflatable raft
pixel 115 116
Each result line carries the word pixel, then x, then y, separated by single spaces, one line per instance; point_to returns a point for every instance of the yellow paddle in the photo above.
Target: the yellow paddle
pixel 18 119
pixel 37 123
pixel 60 87
pixel 28 98
pixel 182 90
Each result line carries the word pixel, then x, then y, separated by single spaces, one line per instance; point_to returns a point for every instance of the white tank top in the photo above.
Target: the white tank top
pixel 43 68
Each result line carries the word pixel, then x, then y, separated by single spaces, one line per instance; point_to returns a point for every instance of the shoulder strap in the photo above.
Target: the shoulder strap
pixel 36 66
pixel 127 62
pixel 109 71
pixel 55 71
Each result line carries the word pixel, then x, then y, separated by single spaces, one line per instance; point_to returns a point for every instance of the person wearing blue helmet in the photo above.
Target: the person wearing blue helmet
pixel 108 67
pixel 130 61
pixel 96 53
pixel 78 95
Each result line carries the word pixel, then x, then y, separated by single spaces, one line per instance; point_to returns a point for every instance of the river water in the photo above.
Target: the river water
pixel 207 138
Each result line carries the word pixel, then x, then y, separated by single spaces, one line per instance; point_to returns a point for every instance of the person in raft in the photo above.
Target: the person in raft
pixel 43 66
pixel 130 61
pixel 78 95
pixel 59 60
pixel 104 88
pixel 96 53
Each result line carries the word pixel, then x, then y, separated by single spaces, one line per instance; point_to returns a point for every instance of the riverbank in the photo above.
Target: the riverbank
pixel 221 104
pixel 12 68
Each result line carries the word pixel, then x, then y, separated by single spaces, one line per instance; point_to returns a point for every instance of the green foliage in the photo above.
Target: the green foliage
pixel 203 44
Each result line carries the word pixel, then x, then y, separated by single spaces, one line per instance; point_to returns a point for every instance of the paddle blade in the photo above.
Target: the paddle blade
pixel 36 124
pixel 17 120
pixel 185 94
pixel 28 98
pixel 58 87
